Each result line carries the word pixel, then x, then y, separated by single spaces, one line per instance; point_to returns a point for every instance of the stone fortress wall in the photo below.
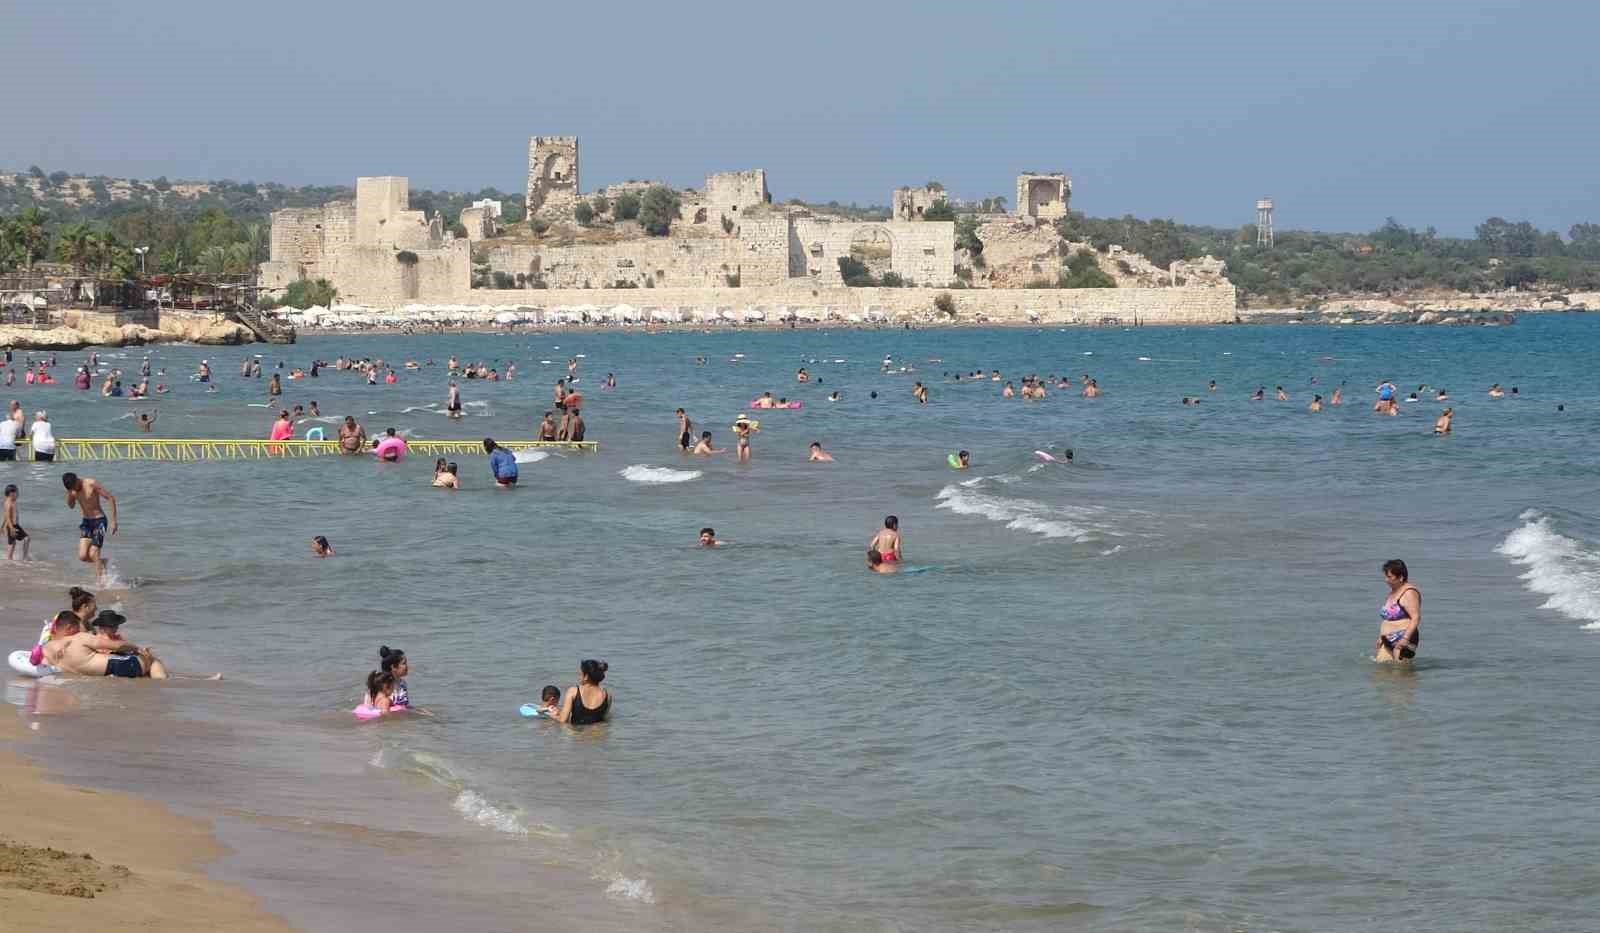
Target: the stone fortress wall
pixel 1089 306
pixel 728 235
pixel 374 250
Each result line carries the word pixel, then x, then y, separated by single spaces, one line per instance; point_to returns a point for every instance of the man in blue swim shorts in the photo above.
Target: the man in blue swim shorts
pixel 86 493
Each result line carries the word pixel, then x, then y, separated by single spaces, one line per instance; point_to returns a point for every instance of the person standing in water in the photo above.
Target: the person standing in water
pixel 86 493
pixel 1441 425
pixel 1400 625
pixel 685 432
pixel 887 541
pixel 742 428
pixel 588 702
pixel 13 527
pixel 452 402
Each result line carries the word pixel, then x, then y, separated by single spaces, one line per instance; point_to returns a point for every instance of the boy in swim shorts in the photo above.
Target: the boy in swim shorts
pixel 86 493
pixel 14 531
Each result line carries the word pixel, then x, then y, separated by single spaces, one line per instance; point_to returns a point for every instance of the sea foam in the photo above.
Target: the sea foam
pixel 476 809
pixel 644 473
pixel 1562 568
pixel 1018 514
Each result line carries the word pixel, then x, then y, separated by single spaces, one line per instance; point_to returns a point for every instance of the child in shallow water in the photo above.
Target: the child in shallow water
pixel 380 691
pixel 550 697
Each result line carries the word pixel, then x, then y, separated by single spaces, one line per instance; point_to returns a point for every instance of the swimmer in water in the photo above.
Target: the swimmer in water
pixel 818 455
pixel 1443 396
pixel 1316 403
pixel 920 392
pixel 963 459
pixel 1338 395
pixel 1213 386
pixel 320 547
pixel 1400 628
pixel 146 420
pixel 834 397
pixel 1259 394
pixel 877 564
pixel 1441 425
pixel 1282 395
pixel 708 538
pixel 887 541
pixel 1496 392
pixel 704 448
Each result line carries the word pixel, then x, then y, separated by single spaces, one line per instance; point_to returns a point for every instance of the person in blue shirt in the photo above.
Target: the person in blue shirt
pixel 502 462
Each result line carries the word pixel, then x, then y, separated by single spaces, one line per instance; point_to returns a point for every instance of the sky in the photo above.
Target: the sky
pixel 1345 113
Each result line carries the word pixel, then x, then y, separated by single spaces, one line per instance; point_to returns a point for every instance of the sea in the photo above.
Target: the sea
pixel 1135 692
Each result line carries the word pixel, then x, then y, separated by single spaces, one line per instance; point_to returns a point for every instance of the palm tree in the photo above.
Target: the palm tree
pixel 214 260
pixel 257 236
pixel 74 245
pixel 173 260
pixel 240 258
pixel 29 234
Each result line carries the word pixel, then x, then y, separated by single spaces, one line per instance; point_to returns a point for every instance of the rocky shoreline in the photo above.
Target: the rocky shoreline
pixel 79 329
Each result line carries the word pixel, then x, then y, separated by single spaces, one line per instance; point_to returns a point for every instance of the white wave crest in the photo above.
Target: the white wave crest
pixel 1020 514
pixel 477 810
pixel 531 456
pixel 631 889
pixel 1559 567
pixel 644 473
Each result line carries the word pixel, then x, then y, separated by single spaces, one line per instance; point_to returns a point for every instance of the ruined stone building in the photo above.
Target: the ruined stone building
pixel 375 249
pixel 1043 197
pixel 910 203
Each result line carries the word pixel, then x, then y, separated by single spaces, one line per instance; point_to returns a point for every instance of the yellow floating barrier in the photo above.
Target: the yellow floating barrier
pixel 187 449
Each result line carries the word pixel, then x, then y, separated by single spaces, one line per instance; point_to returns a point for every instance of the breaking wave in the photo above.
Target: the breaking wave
pixel 1564 569
pixel 644 473
pixel 1021 514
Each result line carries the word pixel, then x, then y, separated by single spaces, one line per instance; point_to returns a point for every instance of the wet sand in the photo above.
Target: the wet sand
pixel 73 859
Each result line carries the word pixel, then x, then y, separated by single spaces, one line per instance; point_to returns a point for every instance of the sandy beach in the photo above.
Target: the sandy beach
pixel 72 858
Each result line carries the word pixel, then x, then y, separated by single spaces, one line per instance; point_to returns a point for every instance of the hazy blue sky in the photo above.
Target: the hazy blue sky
pixel 1345 112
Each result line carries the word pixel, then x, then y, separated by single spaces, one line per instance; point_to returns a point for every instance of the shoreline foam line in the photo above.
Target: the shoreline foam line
pixel 192 449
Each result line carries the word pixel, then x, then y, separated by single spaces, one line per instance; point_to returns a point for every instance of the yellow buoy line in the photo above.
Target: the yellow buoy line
pixel 186 449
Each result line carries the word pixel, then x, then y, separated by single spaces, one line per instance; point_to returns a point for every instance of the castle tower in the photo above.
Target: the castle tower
pixel 552 176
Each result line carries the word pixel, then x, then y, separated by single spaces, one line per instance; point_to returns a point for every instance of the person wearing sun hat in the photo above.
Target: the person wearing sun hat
pixel 743 427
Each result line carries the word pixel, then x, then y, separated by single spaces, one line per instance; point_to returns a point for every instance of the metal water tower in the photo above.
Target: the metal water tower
pixel 1264 223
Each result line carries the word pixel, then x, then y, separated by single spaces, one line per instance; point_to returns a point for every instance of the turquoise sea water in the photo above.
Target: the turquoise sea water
pixel 1133 693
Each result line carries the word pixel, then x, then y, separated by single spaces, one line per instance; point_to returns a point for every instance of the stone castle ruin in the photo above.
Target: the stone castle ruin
pixel 1043 197
pixel 375 248
pixel 727 235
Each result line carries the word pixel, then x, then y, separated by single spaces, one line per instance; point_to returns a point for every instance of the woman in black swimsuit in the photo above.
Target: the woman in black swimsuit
pixel 588 702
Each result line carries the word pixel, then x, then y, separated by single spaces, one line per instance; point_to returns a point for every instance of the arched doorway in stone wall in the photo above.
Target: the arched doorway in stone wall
pixel 873 247
pixel 556 168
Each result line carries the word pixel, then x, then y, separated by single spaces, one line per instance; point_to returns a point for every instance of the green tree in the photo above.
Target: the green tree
pixel 1083 271
pixel 36 172
pixel 967 235
pixel 27 238
pixel 855 272
pixel 583 213
pixel 58 179
pixel 627 206
pixel 161 184
pixel 599 204
pixel 306 293
pixel 939 210
pixel 1584 241
pixel 74 245
pixel 657 209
